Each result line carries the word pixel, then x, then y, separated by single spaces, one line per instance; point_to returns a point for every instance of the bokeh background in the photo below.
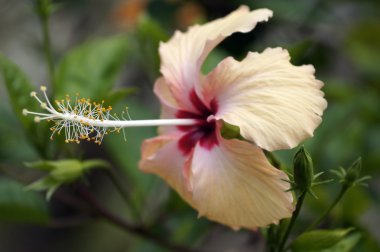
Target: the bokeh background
pixel 108 49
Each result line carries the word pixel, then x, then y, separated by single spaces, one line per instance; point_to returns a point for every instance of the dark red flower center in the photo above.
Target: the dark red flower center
pixel 203 131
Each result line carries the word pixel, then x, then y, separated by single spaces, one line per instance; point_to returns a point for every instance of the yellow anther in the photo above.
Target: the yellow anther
pixel 33 94
pixel 37 119
pixel 43 105
pixel 25 112
pixel 43 88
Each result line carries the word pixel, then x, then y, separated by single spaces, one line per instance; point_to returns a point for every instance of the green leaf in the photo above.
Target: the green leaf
pixel 319 239
pixel 149 34
pixel 345 245
pixel 19 205
pixel 91 69
pixel 299 50
pixel 352 212
pixel 362 45
pixel 114 97
pixel 14 149
pixel 18 88
pixel 126 154
pixel 213 59
pixel 298 11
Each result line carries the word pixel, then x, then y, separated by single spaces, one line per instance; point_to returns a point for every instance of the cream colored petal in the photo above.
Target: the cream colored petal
pixel 169 106
pixel 182 56
pixel 168 113
pixel 161 89
pixel 161 156
pixel 235 185
pixel 275 104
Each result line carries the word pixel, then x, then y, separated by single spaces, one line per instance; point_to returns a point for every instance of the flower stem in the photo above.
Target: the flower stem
pixel 343 190
pixel 47 48
pixel 44 15
pixel 270 239
pixel 118 221
pixel 292 221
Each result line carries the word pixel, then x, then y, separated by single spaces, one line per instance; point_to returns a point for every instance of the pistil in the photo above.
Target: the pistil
pixel 90 121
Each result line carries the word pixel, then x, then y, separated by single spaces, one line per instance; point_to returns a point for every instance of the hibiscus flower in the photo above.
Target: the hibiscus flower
pixel 276 105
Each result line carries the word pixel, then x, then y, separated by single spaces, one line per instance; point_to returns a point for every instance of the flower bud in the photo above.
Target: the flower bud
pixel 66 171
pixel 61 172
pixel 353 172
pixel 303 170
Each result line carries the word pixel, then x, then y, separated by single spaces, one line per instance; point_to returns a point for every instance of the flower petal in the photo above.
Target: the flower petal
pixel 161 155
pixel 235 185
pixel 161 89
pixel 169 106
pixel 275 104
pixel 182 56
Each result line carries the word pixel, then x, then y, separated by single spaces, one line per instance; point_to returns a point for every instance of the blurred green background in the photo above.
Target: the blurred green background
pixel 108 49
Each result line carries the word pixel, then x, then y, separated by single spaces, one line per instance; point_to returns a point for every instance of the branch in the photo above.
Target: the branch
pixel 101 211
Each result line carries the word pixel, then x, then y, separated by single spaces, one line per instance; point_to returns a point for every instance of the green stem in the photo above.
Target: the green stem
pixel 292 221
pixel 270 246
pixel 47 48
pixel 141 231
pixel 44 14
pixel 343 190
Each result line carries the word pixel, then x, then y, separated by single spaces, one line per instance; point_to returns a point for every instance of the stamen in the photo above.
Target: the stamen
pixel 90 121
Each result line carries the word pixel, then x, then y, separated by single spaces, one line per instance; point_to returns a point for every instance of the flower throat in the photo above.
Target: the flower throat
pixel 204 130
